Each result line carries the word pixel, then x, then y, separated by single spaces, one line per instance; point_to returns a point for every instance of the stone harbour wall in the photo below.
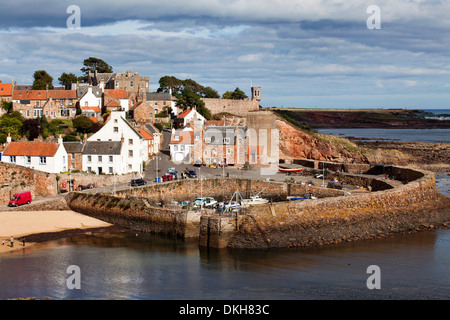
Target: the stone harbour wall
pixel 411 207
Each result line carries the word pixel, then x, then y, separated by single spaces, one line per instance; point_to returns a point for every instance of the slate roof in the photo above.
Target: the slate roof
pixel 158 96
pixel 102 147
pixel 73 146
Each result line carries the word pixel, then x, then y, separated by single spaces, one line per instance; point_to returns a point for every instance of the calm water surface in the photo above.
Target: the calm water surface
pixel 130 266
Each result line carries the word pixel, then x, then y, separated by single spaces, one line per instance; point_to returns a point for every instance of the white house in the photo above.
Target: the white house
pixel 189 116
pixel 181 145
pixel 134 146
pixel 91 102
pixel 49 157
pixel 103 157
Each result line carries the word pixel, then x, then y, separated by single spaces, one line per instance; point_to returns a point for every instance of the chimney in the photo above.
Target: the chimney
pixel 8 138
pixel 60 140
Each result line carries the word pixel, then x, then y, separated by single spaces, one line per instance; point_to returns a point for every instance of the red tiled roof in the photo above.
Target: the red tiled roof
pixel 31 148
pixel 5 89
pixel 184 113
pixel 62 94
pixel 95 120
pixel 116 93
pixel 146 135
pixel 95 109
pixel 186 137
pixel 29 95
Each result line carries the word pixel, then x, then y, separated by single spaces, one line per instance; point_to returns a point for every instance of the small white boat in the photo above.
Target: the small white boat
pixel 254 200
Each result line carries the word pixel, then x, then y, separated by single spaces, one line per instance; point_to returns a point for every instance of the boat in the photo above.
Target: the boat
pixel 256 199
pixel 286 170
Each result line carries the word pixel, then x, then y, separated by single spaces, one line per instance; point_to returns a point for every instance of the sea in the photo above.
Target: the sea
pixel 136 266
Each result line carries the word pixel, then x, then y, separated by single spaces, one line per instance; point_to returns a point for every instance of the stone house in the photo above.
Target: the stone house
pixel 74 151
pixel 29 103
pixel 224 145
pixel 45 156
pixel 143 113
pixel 131 83
pixel 6 90
pixel 115 99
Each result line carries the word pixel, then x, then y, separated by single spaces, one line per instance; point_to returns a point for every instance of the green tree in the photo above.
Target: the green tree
pixel 11 123
pixel 41 80
pixel 82 124
pixel 170 82
pixel 67 78
pixel 209 92
pixel 7 106
pixel 237 94
pixel 95 64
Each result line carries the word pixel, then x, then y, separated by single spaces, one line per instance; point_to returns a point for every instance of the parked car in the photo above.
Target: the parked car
pixel 206 202
pixel 138 182
pixel 20 198
pixel 191 173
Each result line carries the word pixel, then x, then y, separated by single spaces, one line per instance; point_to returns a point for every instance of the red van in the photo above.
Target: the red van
pixel 20 198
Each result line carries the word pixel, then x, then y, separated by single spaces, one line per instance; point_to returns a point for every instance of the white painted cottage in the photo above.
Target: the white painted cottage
pixel 45 156
pixel 134 148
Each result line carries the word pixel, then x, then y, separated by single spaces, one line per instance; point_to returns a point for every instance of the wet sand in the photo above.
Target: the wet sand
pixel 39 226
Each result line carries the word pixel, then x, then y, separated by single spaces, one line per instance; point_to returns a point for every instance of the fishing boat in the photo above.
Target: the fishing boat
pixel 290 170
pixel 256 199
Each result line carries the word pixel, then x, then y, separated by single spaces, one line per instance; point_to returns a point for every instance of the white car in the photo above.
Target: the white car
pixel 205 202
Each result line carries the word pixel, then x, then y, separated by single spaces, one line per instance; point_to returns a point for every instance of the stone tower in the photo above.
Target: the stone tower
pixel 256 93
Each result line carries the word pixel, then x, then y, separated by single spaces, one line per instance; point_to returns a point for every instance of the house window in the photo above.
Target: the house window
pixel 130 153
pixel 164 103
pixel 228 151
pixel 116 129
pixel 28 160
pixel 72 165
pixel 131 84
pixel 182 148
pixel 156 103
pixel 42 160
pixel 130 167
pixel 28 113
pixel 226 140
pixel 89 169
pixel 72 156
pixel 99 158
pixel 151 115
pixel 86 104
pixel 89 158
pixel 208 139
pixel 206 153
pixel 117 84
pixel 130 142
pixel 110 158
pixel 110 170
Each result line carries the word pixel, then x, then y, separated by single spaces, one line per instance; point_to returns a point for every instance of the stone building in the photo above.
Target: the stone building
pixel 131 83
pixel 74 151
pixel 236 107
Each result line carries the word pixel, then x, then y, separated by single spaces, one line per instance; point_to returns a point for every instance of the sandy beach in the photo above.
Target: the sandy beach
pixel 20 224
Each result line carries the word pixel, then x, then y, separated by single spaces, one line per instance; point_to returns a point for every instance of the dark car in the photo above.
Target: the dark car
pixel 191 174
pixel 137 182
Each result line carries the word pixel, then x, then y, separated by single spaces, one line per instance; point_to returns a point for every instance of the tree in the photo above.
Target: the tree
pixel 209 92
pixel 83 124
pixel 67 78
pixel 11 123
pixel 237 94
pixel 7 106
pixel 95 64
pixel 170 82
pixel 189 100
pixel 31 128
pixel 42 80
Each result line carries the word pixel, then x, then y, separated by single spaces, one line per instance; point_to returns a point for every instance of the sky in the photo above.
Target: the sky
pixel 302 53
